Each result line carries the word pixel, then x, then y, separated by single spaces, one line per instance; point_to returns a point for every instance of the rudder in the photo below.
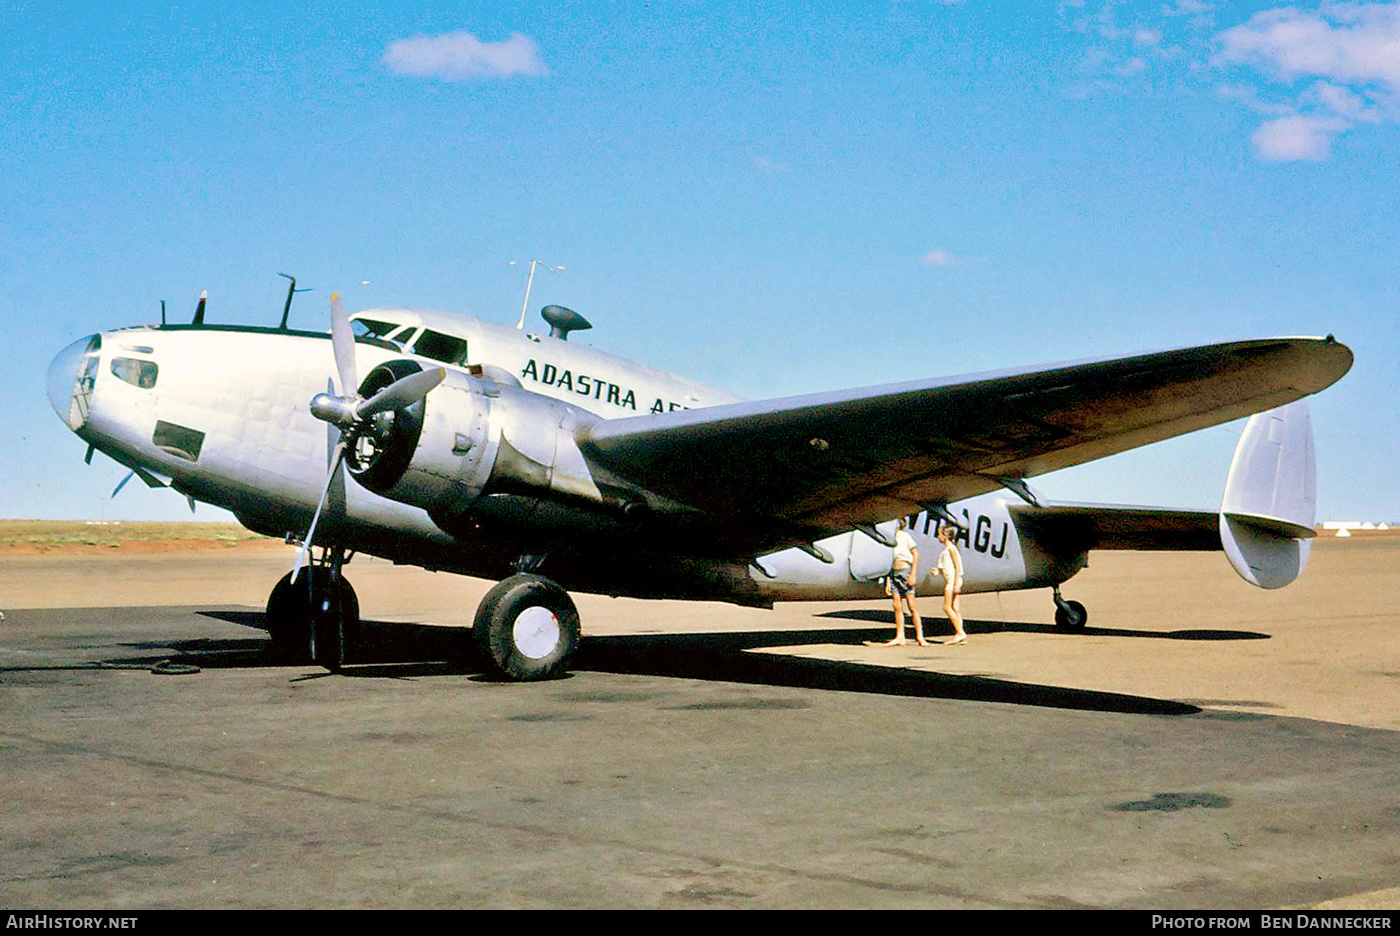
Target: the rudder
pixel 1267 514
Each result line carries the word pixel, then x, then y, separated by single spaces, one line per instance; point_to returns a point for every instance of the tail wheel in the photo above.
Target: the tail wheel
pixel 527 627
pixel 1071 616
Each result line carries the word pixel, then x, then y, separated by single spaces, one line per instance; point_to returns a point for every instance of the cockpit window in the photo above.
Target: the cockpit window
pixel 136 372
pixel 375 332
pixel 369 328
pixel 440 347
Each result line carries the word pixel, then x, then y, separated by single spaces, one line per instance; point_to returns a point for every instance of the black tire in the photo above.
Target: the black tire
pixel 313 624
pixel 1071 617
pixel 286 621
pixel 527 628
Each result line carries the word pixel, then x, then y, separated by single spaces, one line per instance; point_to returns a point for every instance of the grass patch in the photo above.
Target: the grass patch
pixel 55 533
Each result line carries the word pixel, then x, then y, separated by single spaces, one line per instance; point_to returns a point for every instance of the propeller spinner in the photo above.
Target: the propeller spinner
pixel 352 415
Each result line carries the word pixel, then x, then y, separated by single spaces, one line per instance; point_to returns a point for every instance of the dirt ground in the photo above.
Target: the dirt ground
pixel 1201 743
pixel 1326 647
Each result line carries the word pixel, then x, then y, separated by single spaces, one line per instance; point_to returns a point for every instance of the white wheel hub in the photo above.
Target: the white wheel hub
pixel 536 632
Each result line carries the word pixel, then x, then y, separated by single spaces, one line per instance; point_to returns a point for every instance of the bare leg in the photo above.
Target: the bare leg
pixel 898 622
pixel 950 608
pixel 918 622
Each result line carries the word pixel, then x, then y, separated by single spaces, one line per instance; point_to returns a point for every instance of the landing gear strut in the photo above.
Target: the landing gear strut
pixel 315 619
pixel 1069 615
pixel 527 627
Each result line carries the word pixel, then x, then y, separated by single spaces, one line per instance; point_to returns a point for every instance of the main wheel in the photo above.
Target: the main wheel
pixel 528 627
pixel 1071 616
pixel 313 623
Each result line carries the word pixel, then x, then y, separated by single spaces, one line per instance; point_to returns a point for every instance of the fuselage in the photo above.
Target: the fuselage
pixel 220 413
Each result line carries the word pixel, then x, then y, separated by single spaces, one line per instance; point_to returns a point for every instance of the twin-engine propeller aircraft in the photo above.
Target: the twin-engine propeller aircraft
pixel 488 451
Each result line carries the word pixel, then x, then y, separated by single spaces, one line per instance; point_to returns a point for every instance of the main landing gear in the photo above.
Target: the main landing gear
pixel 1069 615
pixel 314 616
pixel 526 627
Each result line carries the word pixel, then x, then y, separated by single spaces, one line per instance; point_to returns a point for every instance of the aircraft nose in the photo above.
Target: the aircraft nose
pixel 70 379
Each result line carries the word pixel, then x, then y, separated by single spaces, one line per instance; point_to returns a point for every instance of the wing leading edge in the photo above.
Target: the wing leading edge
pixel 815 465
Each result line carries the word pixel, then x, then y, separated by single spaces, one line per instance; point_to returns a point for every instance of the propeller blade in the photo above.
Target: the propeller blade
pixel 403 392
pixel 122 483
pixel 320 505
pixel 343 342
pixel 333 433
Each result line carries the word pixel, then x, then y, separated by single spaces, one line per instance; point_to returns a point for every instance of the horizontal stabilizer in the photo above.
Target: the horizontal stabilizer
pixel 1074 528
pixel 1266 517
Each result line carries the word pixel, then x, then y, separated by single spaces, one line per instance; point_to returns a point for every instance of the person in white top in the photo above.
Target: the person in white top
pixel 950 566
pixel 904 572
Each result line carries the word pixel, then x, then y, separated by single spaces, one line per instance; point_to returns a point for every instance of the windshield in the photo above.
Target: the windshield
pixel 369 328
pixel 445 348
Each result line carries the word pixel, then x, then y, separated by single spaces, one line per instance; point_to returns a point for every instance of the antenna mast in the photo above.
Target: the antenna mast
pixel 291 291
pixel 526 303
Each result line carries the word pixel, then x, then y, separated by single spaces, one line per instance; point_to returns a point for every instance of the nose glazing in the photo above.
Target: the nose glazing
pixel 71 377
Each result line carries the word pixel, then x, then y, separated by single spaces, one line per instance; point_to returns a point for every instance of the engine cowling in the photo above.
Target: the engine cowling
pixel 474 434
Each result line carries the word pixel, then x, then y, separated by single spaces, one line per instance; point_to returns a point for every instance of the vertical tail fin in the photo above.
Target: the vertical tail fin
pixel 1267 515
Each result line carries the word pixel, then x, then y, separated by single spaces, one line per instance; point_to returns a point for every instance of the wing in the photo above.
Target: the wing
pixel 811 466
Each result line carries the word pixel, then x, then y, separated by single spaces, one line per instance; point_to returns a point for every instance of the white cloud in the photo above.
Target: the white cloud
pixel 1296 138
pixel 1197 10
pixel 1248 96
pixel 941 258
pixel 459 56
pixel 1352 49
pixel 1116 56
pixel 1312 70
pixel 1342 101
pixel 1129 67
pixel 1344 42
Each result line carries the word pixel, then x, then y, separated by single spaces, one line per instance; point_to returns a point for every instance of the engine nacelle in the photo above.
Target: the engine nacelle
pixel 472 435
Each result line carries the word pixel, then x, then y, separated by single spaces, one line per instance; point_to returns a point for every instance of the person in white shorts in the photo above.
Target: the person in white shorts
pixel 950 566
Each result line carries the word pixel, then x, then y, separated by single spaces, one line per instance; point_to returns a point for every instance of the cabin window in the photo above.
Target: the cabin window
pixel 136 372
pixel 440 347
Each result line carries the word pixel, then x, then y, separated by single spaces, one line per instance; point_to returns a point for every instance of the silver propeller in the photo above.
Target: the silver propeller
pixel 350 414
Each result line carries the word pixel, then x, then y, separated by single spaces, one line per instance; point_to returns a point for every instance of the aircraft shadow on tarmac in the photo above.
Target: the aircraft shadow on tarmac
pixel 407 650
pixel 1020 627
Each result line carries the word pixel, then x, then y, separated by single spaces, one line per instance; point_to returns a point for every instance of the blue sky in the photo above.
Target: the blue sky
pixel 770 198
